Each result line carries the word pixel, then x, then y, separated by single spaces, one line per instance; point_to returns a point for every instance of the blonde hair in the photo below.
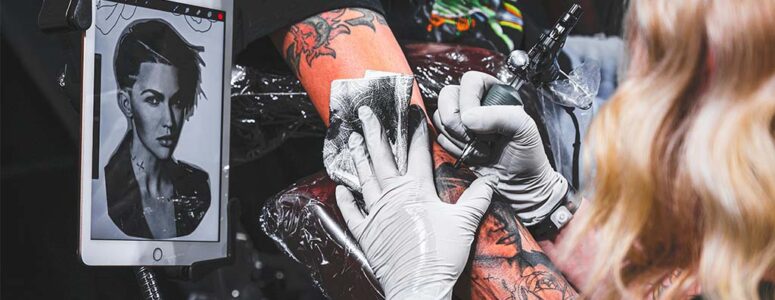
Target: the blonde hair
pixel 684 188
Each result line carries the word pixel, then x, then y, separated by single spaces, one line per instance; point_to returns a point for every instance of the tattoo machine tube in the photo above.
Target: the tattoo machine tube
pixel 537 67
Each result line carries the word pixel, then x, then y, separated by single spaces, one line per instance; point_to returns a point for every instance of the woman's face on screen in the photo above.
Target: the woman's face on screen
pixel 157 111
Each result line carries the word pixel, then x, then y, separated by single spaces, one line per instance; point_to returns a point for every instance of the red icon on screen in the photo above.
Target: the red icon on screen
pixel 220 16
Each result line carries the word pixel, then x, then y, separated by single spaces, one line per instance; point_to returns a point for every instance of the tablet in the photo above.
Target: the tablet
pixel 155 132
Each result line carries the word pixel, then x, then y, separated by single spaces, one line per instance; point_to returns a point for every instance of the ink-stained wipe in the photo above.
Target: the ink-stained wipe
pixel 388 97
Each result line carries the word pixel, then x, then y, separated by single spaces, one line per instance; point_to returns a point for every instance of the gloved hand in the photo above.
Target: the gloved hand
pixel 416 244
pixel 515 154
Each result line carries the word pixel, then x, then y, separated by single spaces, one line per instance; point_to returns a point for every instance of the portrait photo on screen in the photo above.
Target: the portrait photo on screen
pixel 157 124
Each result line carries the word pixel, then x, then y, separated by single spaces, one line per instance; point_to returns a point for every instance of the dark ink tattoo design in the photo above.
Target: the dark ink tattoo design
pixel 506 262
pixel 367 19
pixel 312 37
pixel 509 264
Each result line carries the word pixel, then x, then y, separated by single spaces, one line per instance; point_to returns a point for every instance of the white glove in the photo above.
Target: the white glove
pixel 416 244
pixel 516 155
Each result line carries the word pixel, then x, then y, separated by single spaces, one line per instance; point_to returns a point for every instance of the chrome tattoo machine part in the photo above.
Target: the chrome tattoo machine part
pixel 537 67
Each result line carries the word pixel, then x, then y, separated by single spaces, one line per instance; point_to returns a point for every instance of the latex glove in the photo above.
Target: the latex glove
pixel 416 244
pixel 516 154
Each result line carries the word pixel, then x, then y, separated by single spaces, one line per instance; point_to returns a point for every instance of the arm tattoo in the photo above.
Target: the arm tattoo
pixel 367 19
pixel 312 37
pixel 509 264
pixel 506 262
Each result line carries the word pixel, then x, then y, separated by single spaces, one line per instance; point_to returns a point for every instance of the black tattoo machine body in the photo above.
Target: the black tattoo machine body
pixel 538 67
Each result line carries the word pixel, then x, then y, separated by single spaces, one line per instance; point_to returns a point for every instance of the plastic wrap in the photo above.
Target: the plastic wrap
pixel 305 222
pixel 307 225
pixel 608 52
pixel 596 65
pixel 561 123
pixel 580 87
pixel 438 65
pixel 565 106
pixel 268 109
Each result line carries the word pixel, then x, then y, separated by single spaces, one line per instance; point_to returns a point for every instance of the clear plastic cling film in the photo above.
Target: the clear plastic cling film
pixel 267 110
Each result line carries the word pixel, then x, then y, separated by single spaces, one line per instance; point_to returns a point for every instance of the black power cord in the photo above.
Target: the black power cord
pixel 576 146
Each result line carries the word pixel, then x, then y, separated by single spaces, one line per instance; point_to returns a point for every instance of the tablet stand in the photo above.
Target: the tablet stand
pixel 148 280
pixel 65 15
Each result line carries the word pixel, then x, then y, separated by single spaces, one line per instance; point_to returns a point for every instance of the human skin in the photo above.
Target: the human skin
pixel 509 264
pixel 576 267
pixel 340 44
pixel 497 233
pixel 154 109
pixel 345 43
pixel 156 114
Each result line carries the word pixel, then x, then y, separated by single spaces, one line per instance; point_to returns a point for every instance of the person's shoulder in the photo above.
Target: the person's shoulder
pixel 190 170
pixel 190 179
pixel 189 176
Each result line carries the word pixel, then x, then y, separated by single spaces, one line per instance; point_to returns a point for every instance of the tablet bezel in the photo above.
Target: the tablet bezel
pixel 96 252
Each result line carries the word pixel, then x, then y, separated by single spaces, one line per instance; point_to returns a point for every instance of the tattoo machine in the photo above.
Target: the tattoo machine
pixel 536 67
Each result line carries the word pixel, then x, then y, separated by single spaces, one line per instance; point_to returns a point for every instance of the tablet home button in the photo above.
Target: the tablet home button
pixel 157 254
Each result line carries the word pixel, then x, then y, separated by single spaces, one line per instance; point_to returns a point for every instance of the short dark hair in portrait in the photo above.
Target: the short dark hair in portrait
pixel 149 193
pixel 155 40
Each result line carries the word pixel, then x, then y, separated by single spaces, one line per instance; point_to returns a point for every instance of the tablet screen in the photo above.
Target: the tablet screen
pixel 158 115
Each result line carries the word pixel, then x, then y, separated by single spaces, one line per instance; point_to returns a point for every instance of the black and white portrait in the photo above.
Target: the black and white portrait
pixel 159 122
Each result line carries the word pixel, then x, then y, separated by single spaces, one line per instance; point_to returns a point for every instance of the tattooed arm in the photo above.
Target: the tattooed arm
pixel 344 43
pixel 337 44
pixel 507 262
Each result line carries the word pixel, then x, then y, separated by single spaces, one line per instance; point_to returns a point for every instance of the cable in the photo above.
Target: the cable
pixel 149 286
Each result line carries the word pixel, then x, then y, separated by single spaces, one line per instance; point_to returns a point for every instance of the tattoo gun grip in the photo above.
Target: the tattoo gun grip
pixel 502 94
pixel 499 94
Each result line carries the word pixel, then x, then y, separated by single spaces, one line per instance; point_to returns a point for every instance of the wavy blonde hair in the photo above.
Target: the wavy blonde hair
pixel 684 189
